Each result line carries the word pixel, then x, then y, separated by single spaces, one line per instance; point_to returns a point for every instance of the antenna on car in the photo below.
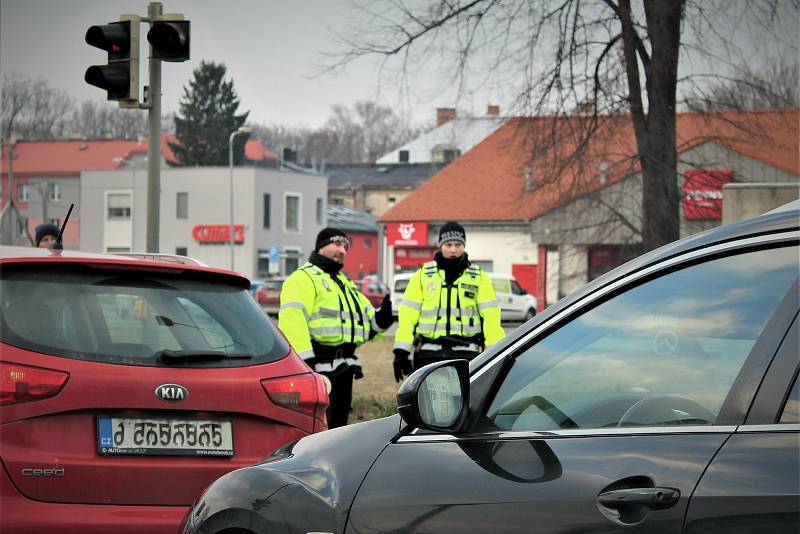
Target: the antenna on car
pixel 56 245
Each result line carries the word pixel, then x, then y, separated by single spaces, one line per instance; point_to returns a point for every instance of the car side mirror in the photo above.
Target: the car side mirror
pixel 436 397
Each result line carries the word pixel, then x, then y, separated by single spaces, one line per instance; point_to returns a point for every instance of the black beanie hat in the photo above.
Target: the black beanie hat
pixel 452 231
pixel 45 229
pixel 327 236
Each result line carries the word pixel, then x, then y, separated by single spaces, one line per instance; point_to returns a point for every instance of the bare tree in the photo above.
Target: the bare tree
pixel 776 85
pixel 33 109
pixel 586 57
pixel 356 134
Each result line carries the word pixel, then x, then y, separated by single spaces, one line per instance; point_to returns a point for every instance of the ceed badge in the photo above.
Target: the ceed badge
pixel 432 287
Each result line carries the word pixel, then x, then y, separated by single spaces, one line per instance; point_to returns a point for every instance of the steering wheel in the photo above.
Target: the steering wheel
pixel 667 410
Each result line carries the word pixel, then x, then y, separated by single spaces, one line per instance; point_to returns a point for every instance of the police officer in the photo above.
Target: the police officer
pixel 325 317
pixel 449 309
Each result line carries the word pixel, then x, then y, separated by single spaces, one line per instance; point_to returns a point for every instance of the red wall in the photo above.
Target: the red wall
pixel 362 256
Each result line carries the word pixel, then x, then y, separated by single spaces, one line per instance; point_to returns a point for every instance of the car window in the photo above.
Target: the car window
pixel 516 288
pixel 501 285
pixel 273 284
pixel 662 353
pixel 125 317
pixel 401 285
pixel 791 410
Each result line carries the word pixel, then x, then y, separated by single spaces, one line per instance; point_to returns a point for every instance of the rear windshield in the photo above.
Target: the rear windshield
pixel 401 285
pixel 273 284
pixel 130 317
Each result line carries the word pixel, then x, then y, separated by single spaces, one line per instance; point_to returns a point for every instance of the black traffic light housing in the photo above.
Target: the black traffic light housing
pixel 170 39
pixel 120 77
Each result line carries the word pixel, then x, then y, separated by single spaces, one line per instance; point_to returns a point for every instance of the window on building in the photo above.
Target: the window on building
pixel 319 211
pixel 443 154
pixel 267 210
pixel 403 156
pixel 182 207
pixel 55 221
pixel 291 261
pixel 54 192
pixel 292 213
pixel 23 193
pixel 119 206
pixel 22 227
pixel 338 201
pixel 391 200
pixel 367 243
pixel 182 251
pixel 114 250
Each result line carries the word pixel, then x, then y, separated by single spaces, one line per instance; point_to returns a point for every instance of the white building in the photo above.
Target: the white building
pixel 277 215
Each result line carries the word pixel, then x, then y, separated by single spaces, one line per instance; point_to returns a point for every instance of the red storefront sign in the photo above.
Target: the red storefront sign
pixel 218 233
pixel 407 234
pixel 702 194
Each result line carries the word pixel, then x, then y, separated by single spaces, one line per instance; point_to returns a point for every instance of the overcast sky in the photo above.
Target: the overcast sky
pixel 271 49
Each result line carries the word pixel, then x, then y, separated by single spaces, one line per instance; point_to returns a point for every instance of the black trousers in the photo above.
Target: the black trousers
pixel 424 357
pixel 340 397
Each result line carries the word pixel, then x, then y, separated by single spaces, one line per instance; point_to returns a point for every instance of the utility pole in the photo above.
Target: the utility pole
pixel 153 102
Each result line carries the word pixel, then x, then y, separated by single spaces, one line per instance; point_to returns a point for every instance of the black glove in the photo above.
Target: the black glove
pixel 383 317
pixel 357 372
pixel 402 364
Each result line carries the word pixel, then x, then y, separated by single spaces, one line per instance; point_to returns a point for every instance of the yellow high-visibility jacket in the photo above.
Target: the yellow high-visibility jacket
pixel 315 307
pixel 432 310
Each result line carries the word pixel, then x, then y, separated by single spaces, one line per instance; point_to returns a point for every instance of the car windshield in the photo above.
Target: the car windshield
pixel 401 285
pixel 133 317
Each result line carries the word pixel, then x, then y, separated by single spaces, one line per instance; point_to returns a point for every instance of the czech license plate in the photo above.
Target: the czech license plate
pixel 164 436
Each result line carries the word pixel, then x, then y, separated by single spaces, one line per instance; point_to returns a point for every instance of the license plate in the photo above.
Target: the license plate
pixel 164 436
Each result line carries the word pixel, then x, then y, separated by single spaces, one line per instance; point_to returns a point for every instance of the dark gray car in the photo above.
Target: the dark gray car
pixel 661 397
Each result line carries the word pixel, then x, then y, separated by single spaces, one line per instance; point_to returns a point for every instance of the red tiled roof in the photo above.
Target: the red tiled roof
pixel 70 157
pixel 488 182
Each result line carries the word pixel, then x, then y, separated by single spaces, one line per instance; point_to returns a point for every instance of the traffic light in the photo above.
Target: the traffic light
pixel 170 40
pixel 120 77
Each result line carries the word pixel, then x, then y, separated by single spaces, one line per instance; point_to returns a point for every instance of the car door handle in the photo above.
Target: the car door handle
pixel 653 498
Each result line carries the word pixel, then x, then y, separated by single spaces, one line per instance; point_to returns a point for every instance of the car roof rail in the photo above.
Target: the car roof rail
pixel 168 258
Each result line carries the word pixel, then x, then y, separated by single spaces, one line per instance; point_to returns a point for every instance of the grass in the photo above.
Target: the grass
pixel 374 395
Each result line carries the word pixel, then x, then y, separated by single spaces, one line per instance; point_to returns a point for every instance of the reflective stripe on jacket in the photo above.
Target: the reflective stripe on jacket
pixel 431 309
pixel 315 307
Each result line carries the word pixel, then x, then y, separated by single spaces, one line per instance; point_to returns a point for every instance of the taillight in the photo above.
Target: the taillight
pixel 23 383
pixel 302 393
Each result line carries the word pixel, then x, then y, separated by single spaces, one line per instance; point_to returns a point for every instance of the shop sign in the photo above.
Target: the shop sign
pixel 218 233
pixel 407 234
pixel 702 194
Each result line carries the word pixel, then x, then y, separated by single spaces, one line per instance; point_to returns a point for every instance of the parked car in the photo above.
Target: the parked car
pixel 128 385
pixel 373 289
pixel 515 303
pixel 268 295
pixel 255 285
pixel 661 397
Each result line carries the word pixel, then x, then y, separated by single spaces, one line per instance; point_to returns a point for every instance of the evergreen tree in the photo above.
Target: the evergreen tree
pixel 206 119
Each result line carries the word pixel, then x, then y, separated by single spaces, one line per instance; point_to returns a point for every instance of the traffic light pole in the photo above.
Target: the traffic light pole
pixel 154 143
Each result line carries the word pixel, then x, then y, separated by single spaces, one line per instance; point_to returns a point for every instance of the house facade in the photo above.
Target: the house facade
pixel 566 212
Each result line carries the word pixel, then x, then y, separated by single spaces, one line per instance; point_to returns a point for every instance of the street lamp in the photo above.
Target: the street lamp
pixel 241 131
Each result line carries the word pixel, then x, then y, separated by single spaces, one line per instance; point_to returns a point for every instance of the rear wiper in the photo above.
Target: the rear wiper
pixel 168 355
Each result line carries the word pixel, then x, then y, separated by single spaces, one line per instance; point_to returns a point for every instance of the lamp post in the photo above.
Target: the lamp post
pixel 241 131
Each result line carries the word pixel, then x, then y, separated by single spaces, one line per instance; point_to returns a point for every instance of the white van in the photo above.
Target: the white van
pixel 515 303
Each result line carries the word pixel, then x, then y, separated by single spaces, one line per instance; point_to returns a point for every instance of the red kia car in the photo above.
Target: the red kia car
pixel 128 385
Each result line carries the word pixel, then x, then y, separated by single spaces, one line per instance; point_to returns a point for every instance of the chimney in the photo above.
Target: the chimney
pixel 372 157
pixel 444 115
pixel 492 110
